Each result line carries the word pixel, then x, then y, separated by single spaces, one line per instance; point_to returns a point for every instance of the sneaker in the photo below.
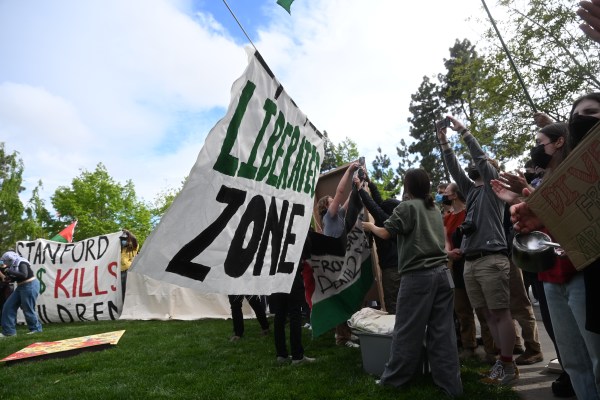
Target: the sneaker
pixel 234 338
pixel 350 344
pixel 3 336
pixel 489 372
pixel 282 360
pixel 518 349
pixel 528 358
pixel 307 326
pixel 32 332
pixel 304 360
pixel 500 375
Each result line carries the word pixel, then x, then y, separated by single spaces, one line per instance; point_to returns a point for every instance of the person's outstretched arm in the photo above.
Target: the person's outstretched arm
pixel 341 189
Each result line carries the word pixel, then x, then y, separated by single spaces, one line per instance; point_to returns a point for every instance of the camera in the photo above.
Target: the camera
pixel 361 171
pixel 361 174
pixel 445 123
pixel 467 228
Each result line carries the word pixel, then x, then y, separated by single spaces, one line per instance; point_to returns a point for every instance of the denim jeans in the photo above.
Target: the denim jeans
pixel 24 296
pixel 579 348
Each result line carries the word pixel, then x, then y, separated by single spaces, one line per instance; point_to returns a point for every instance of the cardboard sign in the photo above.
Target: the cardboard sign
pixel 568 202
pixel 65 348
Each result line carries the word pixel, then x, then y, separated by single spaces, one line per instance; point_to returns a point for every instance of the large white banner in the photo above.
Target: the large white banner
pixel 239 224
pixel 79 281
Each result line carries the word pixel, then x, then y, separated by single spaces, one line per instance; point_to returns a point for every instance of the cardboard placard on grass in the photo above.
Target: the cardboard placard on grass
pixel 568 202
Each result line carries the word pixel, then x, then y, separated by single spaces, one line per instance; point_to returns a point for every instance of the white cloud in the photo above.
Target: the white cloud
pixel 138 84
pixel 110 82
pixel 355 64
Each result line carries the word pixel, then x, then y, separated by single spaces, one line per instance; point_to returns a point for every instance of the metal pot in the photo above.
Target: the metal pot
pixel 534 252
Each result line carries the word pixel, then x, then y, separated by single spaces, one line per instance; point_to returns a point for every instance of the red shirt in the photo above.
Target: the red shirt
pixel 453 221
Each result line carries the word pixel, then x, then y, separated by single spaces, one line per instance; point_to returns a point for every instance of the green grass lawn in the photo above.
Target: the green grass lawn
pixel 195 360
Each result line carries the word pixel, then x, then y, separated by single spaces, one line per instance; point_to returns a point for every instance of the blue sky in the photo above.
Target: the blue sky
pixel 138 84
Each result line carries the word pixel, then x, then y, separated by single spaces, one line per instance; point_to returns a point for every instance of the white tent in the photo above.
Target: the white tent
pixel 148 298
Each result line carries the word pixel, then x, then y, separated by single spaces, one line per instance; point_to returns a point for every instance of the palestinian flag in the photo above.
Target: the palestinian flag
pixel 66 235
pixel 286 4
pixel 343 274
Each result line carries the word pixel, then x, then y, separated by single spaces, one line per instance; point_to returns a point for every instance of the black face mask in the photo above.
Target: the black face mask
pixel 529 176
pixel 446 201
pixel 473 174
pixel 579 126
pixel 539 156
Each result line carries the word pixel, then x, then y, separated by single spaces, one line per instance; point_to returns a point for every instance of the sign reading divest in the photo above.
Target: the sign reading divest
pixel 239 223
pixel 568 202
pixel 78 281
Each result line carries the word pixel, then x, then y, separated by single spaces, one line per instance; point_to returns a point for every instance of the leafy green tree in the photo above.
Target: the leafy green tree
pixel 38 222
pixel 426 107
pixel 384 176
pixel 329 159
pixel 461 91
pixel 346 152
pixel 11 207
pixel 102 205
pixel 338 155
pixel 556 62
pixel 162 202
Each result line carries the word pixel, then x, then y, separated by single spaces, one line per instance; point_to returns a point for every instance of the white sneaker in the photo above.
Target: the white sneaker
pixel 3 336
pixel 304 360
pixel 351 344
pixel 499 375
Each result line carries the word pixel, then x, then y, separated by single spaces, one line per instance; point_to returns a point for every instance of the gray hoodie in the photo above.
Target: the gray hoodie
pixel 484 208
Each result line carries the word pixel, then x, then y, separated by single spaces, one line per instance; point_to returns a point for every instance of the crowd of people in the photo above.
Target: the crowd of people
pixel 443 267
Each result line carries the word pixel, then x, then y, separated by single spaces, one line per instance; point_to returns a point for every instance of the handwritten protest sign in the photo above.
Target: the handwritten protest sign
pixel 568 202
pixel 239 223
pixel 79 281
pixel 343 273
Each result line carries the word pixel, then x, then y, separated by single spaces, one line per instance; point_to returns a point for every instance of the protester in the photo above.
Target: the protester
pixel 462 306
pixel 337 219
pixel 571 295
pixel 425 300
pixel 285 305
pixel 445 209
pixel 487 267
pixel 6 289
pixel 339 213
pixel 387 251
pixel 18 269
pixel 235 301
pixel 129 249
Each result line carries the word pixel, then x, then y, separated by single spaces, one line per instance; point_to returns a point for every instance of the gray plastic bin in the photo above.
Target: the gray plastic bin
pixel 375 350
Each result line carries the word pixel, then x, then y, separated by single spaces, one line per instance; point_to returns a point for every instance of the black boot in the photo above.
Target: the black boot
pixel 562 387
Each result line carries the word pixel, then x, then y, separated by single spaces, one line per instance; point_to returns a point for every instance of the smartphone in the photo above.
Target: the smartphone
pixel 445 123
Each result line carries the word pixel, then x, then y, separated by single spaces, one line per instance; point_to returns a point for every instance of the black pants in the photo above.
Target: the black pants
pixel 238 317
pixel 282 305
